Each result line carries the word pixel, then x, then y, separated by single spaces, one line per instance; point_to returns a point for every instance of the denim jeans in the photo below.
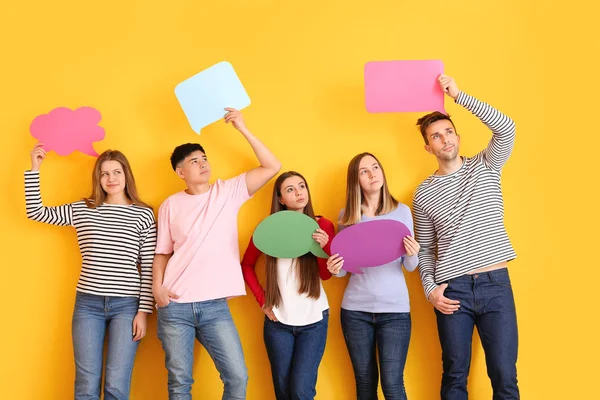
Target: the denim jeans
pixel 179 324
pixel 295 353
pixel 93 318
pixel 389 335
pixel 486 301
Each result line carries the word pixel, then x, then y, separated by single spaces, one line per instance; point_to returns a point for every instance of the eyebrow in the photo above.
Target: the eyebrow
pixel 374 164
pixel 116 169
pixel 300 183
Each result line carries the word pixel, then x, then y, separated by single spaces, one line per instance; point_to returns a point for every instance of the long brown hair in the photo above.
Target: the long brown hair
pixel 354 194
pixel 307 267
pixel 98 195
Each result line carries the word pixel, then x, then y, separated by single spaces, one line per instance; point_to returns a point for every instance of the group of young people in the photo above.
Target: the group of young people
pixel 187 264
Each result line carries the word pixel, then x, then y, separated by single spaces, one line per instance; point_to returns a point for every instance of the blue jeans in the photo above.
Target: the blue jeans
pixel 295 353
pixel 486 301
pixel 93 318
pixel 368 333
pixel 179 324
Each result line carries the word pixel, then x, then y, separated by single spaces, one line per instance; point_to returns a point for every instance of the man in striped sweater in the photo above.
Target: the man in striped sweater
pixel 459 222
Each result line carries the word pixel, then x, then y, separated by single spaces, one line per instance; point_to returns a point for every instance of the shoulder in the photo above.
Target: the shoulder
pixel 144 212
pixel 324 222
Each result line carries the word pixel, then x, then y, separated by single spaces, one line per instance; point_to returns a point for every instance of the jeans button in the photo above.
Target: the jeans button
pixel 476 276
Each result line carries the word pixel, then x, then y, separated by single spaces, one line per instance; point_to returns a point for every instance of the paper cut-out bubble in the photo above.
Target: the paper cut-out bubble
pixel 287 234
pixel 403 86
pixel 64 130
pixel 205 95
pixel 370 244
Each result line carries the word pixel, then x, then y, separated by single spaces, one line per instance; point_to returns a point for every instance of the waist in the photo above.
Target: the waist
pixel 493 267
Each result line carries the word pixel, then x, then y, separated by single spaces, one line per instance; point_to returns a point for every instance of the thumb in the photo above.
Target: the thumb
pixel 444 286
pixel 134 328
pixel 173 295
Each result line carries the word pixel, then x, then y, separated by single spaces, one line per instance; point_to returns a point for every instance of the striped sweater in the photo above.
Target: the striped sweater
pixel 459 218
pixel 113 241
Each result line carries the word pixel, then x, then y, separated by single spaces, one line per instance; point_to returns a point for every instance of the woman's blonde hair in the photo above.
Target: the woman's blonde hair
pixel 98 195
pixel 354 194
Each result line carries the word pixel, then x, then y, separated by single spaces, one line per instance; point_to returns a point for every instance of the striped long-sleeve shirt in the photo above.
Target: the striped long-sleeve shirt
pixel 459 218
pixel 113 241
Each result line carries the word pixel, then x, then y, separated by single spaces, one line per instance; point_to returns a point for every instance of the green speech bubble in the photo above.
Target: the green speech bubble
pixel 287 234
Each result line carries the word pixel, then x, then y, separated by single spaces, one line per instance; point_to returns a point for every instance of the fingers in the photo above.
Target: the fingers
pixel 335 263
pixel 411 245
pixel 321 236
pixel 138 331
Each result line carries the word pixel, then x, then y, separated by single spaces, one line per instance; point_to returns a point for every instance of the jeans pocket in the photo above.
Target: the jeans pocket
pixel 500 278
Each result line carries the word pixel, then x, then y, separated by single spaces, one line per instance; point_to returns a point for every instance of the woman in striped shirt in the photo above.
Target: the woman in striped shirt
pixel 116 232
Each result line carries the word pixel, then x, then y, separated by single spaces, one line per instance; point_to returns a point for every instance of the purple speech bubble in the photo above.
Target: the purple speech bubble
pixel 370 244
pixel 403 86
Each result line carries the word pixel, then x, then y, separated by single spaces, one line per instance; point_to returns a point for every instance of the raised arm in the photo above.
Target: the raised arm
pixel 503 128
pixel 61 215
pixel 257 177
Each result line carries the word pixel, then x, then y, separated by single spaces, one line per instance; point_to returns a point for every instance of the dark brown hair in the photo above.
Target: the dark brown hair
pixel 307 267
pixel 425 121
pixel 354 194
pixel 98 195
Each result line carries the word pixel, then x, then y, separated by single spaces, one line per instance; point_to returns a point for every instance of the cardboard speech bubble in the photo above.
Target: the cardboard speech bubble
pixel 287 234
pixel 403 86
pixel 205 95
pixel 64 130
pixel 370 244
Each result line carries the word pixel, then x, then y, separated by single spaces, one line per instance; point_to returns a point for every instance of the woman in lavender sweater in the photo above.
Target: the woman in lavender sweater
pixel 375 309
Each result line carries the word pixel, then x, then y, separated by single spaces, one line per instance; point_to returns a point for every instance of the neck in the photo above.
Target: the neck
pixel 450 166
pixel 118 198
pixel 371 202
pixel 198 188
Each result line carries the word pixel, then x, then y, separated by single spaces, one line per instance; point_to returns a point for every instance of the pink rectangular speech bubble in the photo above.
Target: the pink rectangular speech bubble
pixel 403 86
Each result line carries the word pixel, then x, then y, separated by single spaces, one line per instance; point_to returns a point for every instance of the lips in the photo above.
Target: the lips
pixel 300 201
pixel 448 148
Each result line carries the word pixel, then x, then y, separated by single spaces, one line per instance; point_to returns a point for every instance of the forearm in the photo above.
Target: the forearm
pixel 265 157
pixel 158 268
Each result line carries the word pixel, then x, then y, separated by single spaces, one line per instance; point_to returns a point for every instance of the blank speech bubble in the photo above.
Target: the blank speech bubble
pixel 64 130
pixel 370 244
pixel 205 95
pixel 287 234
pixel 403 86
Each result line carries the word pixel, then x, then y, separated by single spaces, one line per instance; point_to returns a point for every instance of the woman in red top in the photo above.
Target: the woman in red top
pixel 295 304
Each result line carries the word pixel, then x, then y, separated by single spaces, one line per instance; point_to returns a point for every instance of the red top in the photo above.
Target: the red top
pixel 252 253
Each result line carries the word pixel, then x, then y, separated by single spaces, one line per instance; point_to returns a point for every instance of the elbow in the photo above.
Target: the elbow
pixel 276 167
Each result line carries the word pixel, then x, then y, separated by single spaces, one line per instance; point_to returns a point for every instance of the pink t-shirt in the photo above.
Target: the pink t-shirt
pixel 201 232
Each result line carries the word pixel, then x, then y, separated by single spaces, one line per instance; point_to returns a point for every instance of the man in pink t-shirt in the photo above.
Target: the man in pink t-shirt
pixel 197 264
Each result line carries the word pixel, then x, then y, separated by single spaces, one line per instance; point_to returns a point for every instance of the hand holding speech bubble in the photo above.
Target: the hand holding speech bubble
pixel 370 244
pixel 403 86
pixel 287 234
pixel 65 131
pixel 205 95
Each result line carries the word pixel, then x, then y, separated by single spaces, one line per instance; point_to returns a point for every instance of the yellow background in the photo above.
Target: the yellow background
pixel 302 65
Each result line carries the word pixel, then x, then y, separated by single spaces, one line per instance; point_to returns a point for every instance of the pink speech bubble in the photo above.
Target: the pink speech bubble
pixel 403 86
pixel 370 244
pixel 65 131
